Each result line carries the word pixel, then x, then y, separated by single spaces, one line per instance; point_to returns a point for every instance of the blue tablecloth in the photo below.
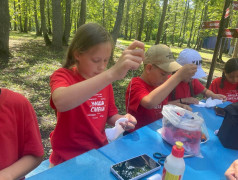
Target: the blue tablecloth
pixel 96 164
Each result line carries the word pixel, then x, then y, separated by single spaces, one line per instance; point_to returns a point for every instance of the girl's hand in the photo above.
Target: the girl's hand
pixel 131 58
pixel 219 96
pixel 130 124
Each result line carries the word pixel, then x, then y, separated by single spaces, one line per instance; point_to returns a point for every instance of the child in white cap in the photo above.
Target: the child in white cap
pixel 185 92
pixel 146 95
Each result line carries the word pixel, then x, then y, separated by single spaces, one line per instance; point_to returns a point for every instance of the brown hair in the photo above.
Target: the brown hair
pixel 87 36
pixel 230 66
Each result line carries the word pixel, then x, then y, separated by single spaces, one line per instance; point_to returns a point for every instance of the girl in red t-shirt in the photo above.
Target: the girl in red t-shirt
pixel 228 83
pixel 82 94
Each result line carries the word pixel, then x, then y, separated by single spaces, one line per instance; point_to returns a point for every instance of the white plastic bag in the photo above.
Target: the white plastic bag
pixel 182 125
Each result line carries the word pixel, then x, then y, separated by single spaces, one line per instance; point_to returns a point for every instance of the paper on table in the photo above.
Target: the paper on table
pixel 209 103
pixel 115 132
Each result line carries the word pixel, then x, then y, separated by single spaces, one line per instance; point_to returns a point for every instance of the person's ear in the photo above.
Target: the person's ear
pixel 148 67
pixel 76 55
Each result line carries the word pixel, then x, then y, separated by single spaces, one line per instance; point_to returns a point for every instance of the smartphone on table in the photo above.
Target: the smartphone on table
pixel 135 168
pixel 219 111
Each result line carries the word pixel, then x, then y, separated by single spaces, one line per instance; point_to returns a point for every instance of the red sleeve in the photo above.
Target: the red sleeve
pixel 215 86
pixel 198 87
pixel 32 137
pixel 59 79
pixel 135 93
pixel 112 109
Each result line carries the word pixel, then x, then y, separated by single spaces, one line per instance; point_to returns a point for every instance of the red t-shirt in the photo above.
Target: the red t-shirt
pixel 182 90
pixel 19 131
pixel 137 90
pixel 82 128
pixel 229 90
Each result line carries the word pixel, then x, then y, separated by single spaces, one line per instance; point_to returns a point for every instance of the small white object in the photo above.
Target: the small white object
pixel 115 132
pixel 155 177
pixel 209 103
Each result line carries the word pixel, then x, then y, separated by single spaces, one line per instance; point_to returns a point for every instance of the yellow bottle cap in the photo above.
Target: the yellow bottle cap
pixel 179 144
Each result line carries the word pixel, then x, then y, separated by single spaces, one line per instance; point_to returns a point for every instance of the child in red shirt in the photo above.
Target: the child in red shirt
pixel 185 92
pixel 21 148
pixel 146 95
pixel 82 94
pixel 228 83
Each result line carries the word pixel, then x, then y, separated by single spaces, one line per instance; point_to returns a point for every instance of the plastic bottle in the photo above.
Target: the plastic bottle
pixel 174 164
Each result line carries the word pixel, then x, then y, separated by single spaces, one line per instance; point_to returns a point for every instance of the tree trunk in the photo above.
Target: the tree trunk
pixel 43 25
pixel 36 20
pixel 203 18
pixel 164 39
pixel 142 21
pixel 185 23
pixel 25 17
pixel 148 31
pixel 175 17
pixel 235 52
pixel 48 16
pixel 182 24
pixel 218 42
pixel 4 33
pixel 29 24
pixel 219 59
pixel 15 24
pixel 57 22
pixel 160 28
pixel 131 25
pixel 20 24
pixel 67 24
pixel 127 18
pixel 117 24
pixel 191 30
pixel 82 18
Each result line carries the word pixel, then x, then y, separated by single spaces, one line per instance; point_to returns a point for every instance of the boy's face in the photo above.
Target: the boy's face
pixel 94 61
pixel 157 76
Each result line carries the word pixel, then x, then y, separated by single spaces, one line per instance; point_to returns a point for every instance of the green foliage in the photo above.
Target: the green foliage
pixel 104 12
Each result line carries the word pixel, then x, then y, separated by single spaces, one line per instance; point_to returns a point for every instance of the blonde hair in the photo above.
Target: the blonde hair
pixel 87 36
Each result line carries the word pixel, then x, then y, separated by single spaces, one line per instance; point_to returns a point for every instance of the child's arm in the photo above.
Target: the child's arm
pixel 209 93
pixel 127 125
pixel 20 168
pixel 160 93
pixel 67 98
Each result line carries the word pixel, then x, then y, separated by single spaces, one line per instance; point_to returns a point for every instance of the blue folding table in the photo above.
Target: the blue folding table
pixel 95 164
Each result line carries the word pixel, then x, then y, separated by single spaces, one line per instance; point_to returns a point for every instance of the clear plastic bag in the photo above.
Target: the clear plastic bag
pixel 182 125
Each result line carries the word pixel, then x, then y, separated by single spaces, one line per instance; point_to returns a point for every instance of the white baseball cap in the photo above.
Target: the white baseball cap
pixel 191 56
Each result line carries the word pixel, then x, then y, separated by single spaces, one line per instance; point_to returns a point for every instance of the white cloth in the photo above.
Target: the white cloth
pixel 116 131
pixel 209 103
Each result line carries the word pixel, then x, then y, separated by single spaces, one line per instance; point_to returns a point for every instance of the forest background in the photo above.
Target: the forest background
pixel 40 32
